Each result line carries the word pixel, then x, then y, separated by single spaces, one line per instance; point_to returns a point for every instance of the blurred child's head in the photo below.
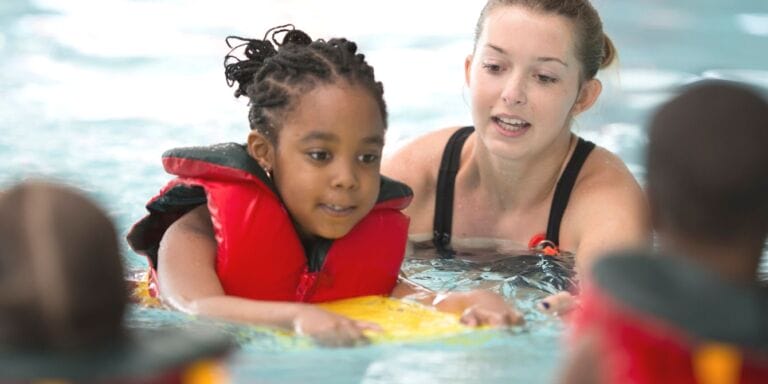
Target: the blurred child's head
pixel 708 165
pixel 61 280
pixel 318 118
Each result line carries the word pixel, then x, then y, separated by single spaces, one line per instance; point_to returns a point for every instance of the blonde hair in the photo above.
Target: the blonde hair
pixel 594 48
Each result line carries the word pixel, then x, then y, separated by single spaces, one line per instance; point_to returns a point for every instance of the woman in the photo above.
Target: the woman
pixel 532 71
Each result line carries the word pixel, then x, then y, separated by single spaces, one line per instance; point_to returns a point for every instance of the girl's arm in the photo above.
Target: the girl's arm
pixel 477 307
pixel 188 282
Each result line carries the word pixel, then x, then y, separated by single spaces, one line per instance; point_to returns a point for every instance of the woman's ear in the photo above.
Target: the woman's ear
pixel 467 69
pixel 262 150
pixel 588 95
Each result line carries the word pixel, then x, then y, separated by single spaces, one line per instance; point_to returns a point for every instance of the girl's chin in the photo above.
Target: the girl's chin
pixel 333 232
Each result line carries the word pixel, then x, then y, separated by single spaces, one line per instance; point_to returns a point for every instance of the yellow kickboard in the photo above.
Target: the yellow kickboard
pixel 400 320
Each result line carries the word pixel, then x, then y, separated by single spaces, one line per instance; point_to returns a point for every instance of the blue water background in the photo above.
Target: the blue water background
pixel 92 92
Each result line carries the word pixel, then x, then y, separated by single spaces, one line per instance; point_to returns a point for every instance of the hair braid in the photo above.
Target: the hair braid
pixel 274 75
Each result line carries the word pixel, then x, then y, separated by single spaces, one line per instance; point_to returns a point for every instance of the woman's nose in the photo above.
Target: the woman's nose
pixel 514 92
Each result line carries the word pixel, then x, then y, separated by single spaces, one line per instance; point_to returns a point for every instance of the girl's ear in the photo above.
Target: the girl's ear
pixel 262 150
pixel 588 95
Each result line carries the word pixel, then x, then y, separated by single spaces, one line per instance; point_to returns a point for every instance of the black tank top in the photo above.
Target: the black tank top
pixel 446 178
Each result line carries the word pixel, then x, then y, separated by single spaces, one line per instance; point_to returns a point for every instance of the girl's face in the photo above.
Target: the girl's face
pixel 327 160
pixel 524 81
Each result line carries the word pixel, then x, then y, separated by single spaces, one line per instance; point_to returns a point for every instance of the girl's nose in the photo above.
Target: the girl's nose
pixel 345 176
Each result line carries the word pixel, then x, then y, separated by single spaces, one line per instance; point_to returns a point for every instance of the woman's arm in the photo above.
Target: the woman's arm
pixel 607 212
pixel 613 219
pixel 188 282
pixel 477 307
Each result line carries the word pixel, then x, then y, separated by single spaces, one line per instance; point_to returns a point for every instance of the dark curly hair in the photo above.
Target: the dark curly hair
pixel 274 74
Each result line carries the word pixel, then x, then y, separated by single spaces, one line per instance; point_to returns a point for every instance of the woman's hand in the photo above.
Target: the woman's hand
pixel 479 307
pixel 559 304
pixel 330 329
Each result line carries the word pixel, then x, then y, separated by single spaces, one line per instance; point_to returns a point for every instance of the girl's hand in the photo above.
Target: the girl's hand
pixel 330 329
pixel 478 308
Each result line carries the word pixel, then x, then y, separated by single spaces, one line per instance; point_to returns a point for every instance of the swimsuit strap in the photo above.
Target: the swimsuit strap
pixel 449 166
pixel 564 187
pixel 446 178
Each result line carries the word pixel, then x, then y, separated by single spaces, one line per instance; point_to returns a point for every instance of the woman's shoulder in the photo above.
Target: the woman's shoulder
pixel 607 209
pixel 426 146
pixel 605 175
pixel 416 162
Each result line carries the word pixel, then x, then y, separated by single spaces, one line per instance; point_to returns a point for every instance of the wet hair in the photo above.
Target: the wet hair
pixel 61 274
pixel 593 47
pixel 273 75
pixel 707 163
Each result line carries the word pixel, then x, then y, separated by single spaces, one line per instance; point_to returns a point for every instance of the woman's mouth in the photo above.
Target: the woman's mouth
pixel 511 126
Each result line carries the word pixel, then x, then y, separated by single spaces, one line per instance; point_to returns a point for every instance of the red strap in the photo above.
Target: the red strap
pixel 306 285
pixel 540 243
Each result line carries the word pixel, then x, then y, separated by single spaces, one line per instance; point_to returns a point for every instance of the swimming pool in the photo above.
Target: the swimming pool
pixel 93 92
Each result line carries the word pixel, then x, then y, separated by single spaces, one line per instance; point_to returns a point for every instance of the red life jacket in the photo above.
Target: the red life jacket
pixel 259 254
pixel 665 320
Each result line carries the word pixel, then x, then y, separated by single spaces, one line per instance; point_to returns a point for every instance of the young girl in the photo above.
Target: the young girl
pixel 532 71
pixel 300 213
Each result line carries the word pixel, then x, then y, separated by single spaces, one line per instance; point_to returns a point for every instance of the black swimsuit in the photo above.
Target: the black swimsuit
pixel 446 179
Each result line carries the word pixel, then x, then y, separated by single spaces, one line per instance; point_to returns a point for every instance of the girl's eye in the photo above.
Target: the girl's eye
pixel 493 68
pixel 546 79
pixel 319 155
pixel 369 158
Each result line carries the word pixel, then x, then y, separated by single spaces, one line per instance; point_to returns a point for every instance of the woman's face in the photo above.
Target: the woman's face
pixel 327 160
pixel 524 80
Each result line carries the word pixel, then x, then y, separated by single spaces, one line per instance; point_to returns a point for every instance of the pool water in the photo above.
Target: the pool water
pixel 93 92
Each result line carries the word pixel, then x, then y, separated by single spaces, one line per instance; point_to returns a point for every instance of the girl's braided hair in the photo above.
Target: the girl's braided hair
pixel 273 75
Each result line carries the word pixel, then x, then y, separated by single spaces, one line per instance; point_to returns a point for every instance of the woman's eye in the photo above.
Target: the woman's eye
pixel 490 67
pixel 546 79
pixel 369 158
pixel 319 155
